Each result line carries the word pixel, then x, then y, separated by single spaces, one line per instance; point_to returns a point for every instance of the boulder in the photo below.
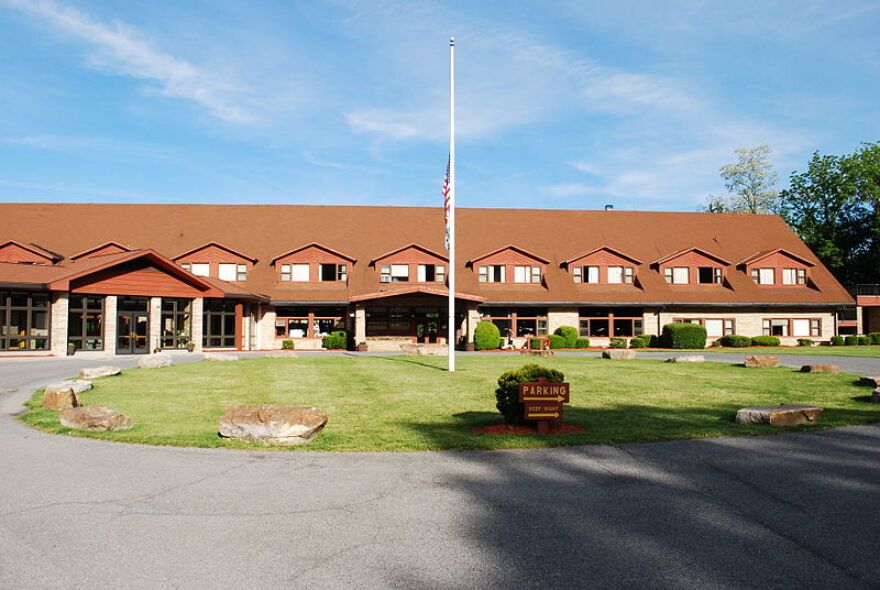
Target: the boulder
pixel 782 415
pixel 761 362
pixel 281 425
pixel 619 354
pixel 155 361
pixel 688 358
pixel 77 385
pixel 95 372
pixel 870 381
pixel 820 369
pixel 281 354
pixel 219 357
pixel 94 418
pixel 60 399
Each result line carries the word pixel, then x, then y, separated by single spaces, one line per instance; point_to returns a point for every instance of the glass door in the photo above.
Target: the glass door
pixel 132 329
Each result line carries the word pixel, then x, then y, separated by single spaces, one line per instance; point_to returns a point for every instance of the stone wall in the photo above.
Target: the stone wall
pixel 110 320
pixel 266 329
pixel 750 323
pixel 562 316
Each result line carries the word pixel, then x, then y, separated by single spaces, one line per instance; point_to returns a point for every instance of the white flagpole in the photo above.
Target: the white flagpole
pixel 450 341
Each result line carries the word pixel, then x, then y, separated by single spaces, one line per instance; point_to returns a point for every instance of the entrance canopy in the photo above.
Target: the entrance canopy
pixel 418 290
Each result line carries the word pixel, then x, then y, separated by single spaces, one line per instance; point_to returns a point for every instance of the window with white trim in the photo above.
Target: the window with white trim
pixel 677 275
pixel 794 276
pixel 201 269
pixel 764 276
pixel 527 274
pixel 494 273
pixel 395 273
pixel 709 275
pixel 297 273
pixel 227 271
pixel 431 273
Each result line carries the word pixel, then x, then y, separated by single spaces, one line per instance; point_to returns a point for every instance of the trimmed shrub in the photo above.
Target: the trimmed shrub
pixel 851 340
pixel 570 334
pixel 734 341
pixel 582 343
pixel 507 394
pixel 864 341
pixel 765 341
pixel 874 338
pixel 501 343
pixel 535 343
pixel 637 342
pixel 617 343
pixel 487 336
pixel 654 341
pixel 683 335
pixel 805 342
pixel 557 341
pixel 336 340
pixel 287 345
pixel 837 341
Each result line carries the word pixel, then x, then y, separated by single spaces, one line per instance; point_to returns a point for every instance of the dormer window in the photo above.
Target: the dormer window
pixel 794 276
pixel 710 275
pixel 526 274
pixel 493 273
pixel 764 276
pixel 395 273
pixel 332 272
pixel 618 275
pixel 677 275
pixel 200 269
pixel 296 273
pixel 432 273
pixel 585 274
pixel 231 272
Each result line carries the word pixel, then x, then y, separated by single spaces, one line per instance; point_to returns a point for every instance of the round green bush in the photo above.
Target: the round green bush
pixel 805 342
pixel 653 340
pixel 507 394
pixel 765 341
pixel 336 340
pixel 487 336
pixel 287 345
pixel 570 334
pixel 557 342
pixel 735 341
pixel 582 343
pixel 617 343
pixel 851 340
pixel 637 342
pixel 837 341
pixel 874 338
pixel 683 335
pixel 864 341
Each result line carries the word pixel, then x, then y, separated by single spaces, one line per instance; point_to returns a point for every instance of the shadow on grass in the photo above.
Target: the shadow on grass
pixel 408 360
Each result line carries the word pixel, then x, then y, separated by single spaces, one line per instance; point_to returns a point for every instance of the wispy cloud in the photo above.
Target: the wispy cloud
pixel 122 49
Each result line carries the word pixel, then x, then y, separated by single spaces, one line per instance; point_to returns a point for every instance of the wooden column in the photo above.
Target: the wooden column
pixel 239 325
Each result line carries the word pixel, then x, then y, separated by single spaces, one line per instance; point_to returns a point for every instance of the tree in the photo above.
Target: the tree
pixel 750 182
pixel 835 208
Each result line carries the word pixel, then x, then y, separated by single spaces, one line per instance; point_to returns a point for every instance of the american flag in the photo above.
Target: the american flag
pixel 445 191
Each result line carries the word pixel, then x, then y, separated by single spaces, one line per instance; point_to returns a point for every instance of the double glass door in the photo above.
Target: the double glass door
pixel 133 326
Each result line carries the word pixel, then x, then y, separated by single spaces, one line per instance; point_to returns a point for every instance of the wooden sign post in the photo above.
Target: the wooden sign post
pixel 542 401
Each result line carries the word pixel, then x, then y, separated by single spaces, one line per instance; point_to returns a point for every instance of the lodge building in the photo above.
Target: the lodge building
pixel 135 278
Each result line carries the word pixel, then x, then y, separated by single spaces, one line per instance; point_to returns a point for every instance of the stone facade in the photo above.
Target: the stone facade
pixel 60 307
pixel 360 324
pixel 155 339
pixel 198 323
pixel 562 316
pixel 110 319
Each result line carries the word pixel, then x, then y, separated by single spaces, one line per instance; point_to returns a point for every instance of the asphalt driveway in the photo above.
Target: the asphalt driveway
pixel 788 511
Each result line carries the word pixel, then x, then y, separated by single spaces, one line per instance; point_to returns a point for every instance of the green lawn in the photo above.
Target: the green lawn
pixel 859 351
pixel 404 403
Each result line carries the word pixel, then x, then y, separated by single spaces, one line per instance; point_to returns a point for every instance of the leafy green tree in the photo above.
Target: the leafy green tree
pixel 750 182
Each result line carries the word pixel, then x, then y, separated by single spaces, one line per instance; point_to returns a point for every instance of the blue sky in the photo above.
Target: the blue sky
pixel 562 104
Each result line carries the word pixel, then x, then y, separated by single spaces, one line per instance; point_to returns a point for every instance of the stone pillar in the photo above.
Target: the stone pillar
pixel 58 336
pixel 266 329
pixel 650 325
pixel 562 316
pixel 197 322
pixel 860 323
pixel 110 310
pixel 360 324
pixel 472 317
pixel 155 323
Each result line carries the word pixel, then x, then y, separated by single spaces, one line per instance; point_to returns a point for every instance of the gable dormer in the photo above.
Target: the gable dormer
pixel 102 250
pixel 510 264
pixel 18 253
pixel 412 263
pixel 692 266
pixel 777 267
pixel 602 265
pixel 217 261
pixel 313 263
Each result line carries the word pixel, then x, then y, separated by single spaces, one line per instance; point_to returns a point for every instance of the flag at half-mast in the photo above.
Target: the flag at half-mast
pixel 446 192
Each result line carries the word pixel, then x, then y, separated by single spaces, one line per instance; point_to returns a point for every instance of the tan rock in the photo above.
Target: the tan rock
pixel 782 415
pixel 60 399
pixel 219 357
pixel 96 372
pixel 155 361
pixel 281 354
pixel 282 425
pixel 761 362
pixel 619 354
pixel 820 369
pixel 688 358
pixel 94 418
pixel 77 385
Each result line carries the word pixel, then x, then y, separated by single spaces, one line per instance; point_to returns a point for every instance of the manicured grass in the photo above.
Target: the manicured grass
pixel 857 351
pixel 404 403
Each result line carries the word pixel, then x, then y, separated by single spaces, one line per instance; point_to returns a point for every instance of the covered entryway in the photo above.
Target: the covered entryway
pixel 133 325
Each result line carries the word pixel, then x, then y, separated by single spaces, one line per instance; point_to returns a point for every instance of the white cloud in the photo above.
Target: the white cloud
pixel 121 49
pixel 583 166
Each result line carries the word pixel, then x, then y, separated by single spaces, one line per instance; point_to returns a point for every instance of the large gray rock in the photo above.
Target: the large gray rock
pixel 619 354
pixel 282 425
pixel 77 385
pixel 688 358
pixel 94 418
pixel 782 415
pixel 762 362
pixel 219 357
pixel 96 372
pixel 155 361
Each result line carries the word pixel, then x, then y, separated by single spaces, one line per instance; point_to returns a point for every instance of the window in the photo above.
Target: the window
pixel 677 275
pixel 332 272
pixel 518 322
pixel 585 274
pixel 241 272
pixel 799 327
pixel 85 322
pixel 776 328
pixel 527 274
pixel 24 321
pixel 431 273
pixel 794 276
pixel 201 269
pixel 226 271
pixel 615 275
pixel 709 275
pixel 715 328
pixel 176 323
pixel 219 324
pixel 186 266
pixel 764 276
pixel 297 273
pixel 492 274
pixel 604 322
pixel 396 273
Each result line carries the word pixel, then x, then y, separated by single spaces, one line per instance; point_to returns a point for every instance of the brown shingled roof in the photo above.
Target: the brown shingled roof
pixel 368 232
